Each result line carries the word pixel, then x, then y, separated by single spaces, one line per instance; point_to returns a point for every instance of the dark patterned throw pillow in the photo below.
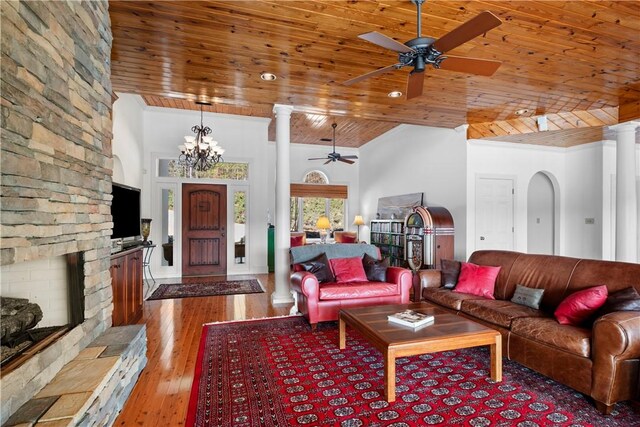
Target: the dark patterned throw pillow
pixel 450 272
pixel 319 266
pixel 626 299
pixel 375 269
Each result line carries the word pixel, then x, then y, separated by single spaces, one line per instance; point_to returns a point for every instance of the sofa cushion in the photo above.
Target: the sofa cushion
pixel 450 273
pixel 348 270
pixel 572 339
pixel 527 296
pixel 338 291
pixel 376 270
pixel 498 312
pixel 477 279
pixel 319 266
pixel 446 297
pixel 579 306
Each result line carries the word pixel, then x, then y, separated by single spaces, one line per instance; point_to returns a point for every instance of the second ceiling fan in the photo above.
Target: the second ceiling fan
pixel 333 156
pixel 420 51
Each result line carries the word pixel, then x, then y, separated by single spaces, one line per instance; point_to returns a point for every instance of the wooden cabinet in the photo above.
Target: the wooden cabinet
pixel 126 282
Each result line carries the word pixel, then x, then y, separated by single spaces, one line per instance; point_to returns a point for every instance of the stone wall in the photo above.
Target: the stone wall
pixel 56 160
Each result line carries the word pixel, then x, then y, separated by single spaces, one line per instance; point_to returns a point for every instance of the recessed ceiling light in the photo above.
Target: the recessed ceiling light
pixel 394 94
pixel 268 76
pixel 521 111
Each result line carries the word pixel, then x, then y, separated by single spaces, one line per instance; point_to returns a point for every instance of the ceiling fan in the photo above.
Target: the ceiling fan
pixel 333 156
pixel 420 51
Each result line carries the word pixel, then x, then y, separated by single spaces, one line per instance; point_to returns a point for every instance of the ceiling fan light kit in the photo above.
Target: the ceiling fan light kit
pixel 333 156
pixel 422 51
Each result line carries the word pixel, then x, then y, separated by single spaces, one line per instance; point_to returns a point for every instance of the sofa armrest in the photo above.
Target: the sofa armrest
pixel 403 278
pixel 615 340
pixel 430 279
pixel 305 283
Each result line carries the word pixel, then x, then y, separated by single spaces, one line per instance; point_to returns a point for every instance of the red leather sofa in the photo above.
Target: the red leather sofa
pixel 322 302
pixel 601 360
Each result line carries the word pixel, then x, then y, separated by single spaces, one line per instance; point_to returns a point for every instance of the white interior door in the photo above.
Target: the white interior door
pixel 495 213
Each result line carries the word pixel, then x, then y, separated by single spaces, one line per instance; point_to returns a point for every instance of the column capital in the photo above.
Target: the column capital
pixel 626 126
pixel 282 109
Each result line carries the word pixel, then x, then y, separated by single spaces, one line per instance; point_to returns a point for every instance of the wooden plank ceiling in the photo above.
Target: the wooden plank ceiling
pixel 557 58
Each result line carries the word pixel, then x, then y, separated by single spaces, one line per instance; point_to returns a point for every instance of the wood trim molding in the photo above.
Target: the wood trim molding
pixel 320 190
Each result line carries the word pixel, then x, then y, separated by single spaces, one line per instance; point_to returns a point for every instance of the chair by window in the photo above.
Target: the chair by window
pixel 345 237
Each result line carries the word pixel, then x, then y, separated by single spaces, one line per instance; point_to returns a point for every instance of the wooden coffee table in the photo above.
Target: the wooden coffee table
pixel 448 332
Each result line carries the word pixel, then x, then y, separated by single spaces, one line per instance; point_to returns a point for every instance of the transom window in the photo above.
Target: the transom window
pixel 225 170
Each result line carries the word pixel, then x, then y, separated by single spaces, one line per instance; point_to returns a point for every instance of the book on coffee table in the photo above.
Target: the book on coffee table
pixel 411 318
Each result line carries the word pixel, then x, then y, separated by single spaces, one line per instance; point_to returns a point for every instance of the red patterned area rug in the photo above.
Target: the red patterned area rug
pixel 278 372
pixel 206 289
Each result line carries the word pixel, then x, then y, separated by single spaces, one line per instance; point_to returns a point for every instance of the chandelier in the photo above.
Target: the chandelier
pixel 200 152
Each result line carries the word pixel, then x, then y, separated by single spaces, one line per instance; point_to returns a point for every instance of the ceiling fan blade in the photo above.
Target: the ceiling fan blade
pixel 385 42
pixel 467 31
pixel 317 158
pixel 371 74
pixel 342 159
pixel 414 84
pixel 329 161
pixel 349 157
pixel 481 67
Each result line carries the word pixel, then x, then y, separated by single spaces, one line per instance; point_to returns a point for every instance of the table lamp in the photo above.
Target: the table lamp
pixel 323 225
pixel 358 220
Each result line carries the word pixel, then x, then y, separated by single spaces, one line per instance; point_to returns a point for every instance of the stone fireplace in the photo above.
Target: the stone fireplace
pixel 56 172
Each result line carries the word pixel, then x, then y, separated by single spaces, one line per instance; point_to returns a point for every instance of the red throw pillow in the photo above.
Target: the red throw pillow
pixel 477 279
pixel 296 241
pixel 348 239
pixel 579 306
pixel 348 269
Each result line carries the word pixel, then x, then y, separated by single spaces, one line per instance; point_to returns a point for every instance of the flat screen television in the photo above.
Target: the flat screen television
pixel 125 210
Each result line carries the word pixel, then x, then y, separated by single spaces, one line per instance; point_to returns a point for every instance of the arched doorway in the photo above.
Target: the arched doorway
pixel 541 215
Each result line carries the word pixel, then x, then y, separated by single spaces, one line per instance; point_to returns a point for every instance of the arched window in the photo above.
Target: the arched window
pixel 316 177
pixel 305 211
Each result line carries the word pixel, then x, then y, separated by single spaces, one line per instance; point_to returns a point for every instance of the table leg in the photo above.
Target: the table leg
pixel 390 376
pixel 342 336
pixel 496 359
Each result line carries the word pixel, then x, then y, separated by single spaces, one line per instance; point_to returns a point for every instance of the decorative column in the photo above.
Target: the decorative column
pixel 626 196
pixel 282 294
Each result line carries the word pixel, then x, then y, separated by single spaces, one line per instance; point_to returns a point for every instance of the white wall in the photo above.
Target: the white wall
pixel 417 159
pixel 583 201
pixel 337 172
pixel 609 198
pixel 244 140
pixel 128 138
pixel 578 173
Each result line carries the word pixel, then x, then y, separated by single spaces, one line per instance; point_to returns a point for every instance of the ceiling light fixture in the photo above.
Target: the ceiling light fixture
pixel 521 111
pixel 268 77
pixel 200 152
pixel 394 94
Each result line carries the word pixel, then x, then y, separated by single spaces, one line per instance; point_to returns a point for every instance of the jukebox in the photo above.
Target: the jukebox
pixel 429 237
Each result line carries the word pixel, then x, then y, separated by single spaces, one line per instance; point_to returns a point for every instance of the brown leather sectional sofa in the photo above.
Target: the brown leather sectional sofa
pixel 601 360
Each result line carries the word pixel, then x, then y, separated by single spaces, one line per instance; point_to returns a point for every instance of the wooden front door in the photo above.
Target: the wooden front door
pixel 204 222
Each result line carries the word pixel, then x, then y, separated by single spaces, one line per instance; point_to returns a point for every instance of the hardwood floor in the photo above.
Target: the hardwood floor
pixel 161 395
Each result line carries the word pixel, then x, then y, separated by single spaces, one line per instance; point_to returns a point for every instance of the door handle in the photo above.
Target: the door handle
pixel 481 237
pixel 222 234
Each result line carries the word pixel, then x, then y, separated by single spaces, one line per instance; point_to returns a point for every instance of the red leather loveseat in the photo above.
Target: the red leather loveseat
pixel 321 302
pixel 600 358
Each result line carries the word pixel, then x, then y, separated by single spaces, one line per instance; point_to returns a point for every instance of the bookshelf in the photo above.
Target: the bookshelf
pixel 388 235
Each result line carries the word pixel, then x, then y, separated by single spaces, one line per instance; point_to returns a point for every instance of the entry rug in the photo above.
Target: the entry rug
pixel 278 372
pixel 206 289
